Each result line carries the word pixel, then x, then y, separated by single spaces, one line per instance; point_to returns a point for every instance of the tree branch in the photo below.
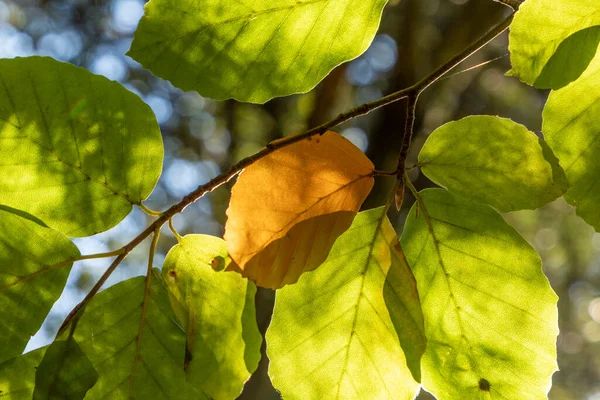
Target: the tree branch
pixel 411 92
pixel 95 289
pixel 138 339
pixel 411 110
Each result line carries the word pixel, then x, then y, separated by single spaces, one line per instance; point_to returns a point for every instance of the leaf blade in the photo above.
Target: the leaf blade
pixel 570 126
pixel 287 209
pixel 562 45
pixel 18 375
pixel 64 372
pixel 252 51
pixel 217 311
pixel 490 315
pixel 77 149
pixel 335 320
pixel 107 333
pixel 493 161
pixel 32 258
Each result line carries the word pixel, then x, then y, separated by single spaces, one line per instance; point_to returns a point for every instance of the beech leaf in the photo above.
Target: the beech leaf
pixel 64 373
pixel 572 129
pixel 134 342
pixel 287 209
pixel 252 50
pixel 552 42
pixel 495 161
pixel 34 265
pixel 17 375
pixel 216 310
pixel 353 328
pixel 490 314
pixel 77 150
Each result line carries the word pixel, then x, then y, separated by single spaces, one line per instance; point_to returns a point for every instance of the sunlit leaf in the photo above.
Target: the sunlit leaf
pixel 134 343
pixel 332 335
pixel 17 375
pixel 553 41
pixel 287 209
pixel 572 128
pixel 252 50
pixel 76 150
pixel 495 161
pixel 64 373
pixel 223 341
pixel 34 265
pixel 490 315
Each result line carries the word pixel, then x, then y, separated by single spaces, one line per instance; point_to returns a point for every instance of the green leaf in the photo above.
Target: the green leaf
pixel 495 161
pixel 560 47
pixel 250 332
pixel 34 265
pixel 571 126
pixel 332 336
pixel 64 373
pixel 76 150
pixel 490 315
pixel 252 50
pixel 17 375
pixel 134 343
pixel 216 309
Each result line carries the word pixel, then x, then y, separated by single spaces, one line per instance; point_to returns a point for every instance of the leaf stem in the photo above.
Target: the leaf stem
pixel 175 233
pixel 149 211
pixel 411 187
pixel 100 255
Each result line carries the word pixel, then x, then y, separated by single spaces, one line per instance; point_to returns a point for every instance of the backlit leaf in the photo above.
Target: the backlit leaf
pixel 490 315
pixel 252 50
pixel 287 209
pixel 17 375
pixel 134 343
pixel 495 161
pixel 332 335
pixel 76 150
pixel 572 129
pixel 64 373
pixel 553 41
pixel 34 265
pixel 216 309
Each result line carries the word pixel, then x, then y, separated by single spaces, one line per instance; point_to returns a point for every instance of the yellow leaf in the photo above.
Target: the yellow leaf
pixel 287 209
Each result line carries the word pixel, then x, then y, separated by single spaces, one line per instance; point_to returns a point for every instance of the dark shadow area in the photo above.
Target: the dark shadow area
pixel 571 58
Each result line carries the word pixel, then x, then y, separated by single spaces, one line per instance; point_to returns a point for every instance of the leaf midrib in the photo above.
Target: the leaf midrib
pixel 360 296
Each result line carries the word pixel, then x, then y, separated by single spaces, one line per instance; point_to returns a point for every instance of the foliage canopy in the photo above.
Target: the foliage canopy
pixel 458 305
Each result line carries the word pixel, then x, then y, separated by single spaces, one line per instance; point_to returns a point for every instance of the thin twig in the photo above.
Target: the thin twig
pixel 409 124
pixel 411 111
pixel 94 290
pixel 411 91
pixel 384 173
pixel 148 281
pixel 415 90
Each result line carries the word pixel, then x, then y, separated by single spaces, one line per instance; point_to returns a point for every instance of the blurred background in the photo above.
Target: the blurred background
pixel 203 137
